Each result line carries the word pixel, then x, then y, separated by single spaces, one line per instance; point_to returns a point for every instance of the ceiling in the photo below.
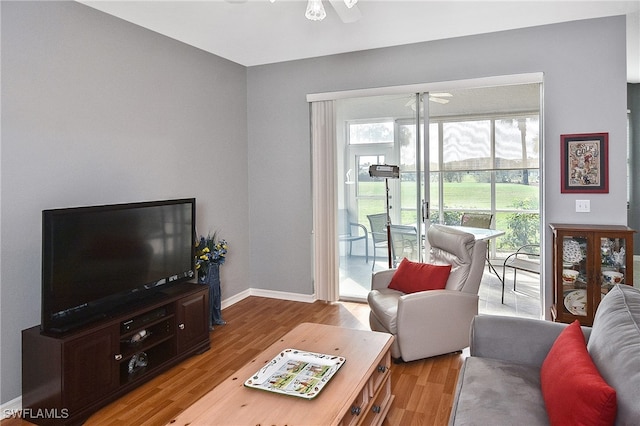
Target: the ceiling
pixel 257 32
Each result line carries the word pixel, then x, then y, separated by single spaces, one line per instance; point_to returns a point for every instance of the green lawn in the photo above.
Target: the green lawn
pixel 458 197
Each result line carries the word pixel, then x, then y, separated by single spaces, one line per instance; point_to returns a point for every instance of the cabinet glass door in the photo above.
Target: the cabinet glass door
pixel 575 276
pixel 589 260
pixel 613 264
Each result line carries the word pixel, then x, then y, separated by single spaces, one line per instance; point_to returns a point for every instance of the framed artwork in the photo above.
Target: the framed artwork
pixel 584 165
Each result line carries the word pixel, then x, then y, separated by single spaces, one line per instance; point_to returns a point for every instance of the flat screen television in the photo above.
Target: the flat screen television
pixel 98 259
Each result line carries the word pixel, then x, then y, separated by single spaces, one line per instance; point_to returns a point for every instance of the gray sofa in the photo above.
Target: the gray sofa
pixel 499 384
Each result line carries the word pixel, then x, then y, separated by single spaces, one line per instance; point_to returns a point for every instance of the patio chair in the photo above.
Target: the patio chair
pixel 526 258
pixel 404 243
pixel 378 226
pixel 476 220
pixel 352 231
pixel 481 220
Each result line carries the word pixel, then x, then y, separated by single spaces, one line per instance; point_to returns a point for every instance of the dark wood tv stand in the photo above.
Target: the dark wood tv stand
pixel 66 378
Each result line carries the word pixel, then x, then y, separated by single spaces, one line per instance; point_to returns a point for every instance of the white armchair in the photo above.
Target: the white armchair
pixel 433 322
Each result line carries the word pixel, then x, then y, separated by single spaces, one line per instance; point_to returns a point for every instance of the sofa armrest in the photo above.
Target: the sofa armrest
pixel 520 340
pixel 381 279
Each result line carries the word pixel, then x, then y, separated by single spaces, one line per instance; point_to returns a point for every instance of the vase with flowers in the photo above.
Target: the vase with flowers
pixel 210 254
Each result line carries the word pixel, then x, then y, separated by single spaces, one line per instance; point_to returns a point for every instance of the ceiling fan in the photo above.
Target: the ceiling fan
pixel 346 13
pixel 347 10
pixel 437 97
pixel 440 97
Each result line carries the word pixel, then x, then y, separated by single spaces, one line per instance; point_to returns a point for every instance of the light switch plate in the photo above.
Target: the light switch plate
pixel 583 206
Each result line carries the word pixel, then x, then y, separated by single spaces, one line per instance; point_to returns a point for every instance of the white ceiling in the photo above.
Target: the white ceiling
pixel 256 32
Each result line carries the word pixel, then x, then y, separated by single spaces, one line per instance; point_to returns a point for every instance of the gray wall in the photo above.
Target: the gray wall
pixel 633 102
pixel 96 110
pixel 584 70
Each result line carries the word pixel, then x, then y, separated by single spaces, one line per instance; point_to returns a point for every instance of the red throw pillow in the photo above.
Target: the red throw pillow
pixel 411 277
pixel 574 392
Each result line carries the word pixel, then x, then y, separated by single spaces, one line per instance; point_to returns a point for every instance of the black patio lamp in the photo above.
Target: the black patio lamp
pixel 387 172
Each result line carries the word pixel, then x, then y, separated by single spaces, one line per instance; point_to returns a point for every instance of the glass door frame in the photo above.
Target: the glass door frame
pixel 320 161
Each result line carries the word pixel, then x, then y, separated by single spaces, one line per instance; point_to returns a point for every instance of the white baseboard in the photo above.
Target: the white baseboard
pixel 11 408
pixel 283 295
pixel 271 294
pixel 235 299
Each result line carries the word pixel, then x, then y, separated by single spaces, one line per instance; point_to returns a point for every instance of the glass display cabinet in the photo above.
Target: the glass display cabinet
pixel 588 260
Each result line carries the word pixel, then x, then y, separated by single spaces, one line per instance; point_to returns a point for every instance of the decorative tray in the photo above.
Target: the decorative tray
pixel 297 373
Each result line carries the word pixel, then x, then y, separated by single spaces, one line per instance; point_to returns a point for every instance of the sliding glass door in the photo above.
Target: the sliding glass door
pixel 376 130
pixel 481 155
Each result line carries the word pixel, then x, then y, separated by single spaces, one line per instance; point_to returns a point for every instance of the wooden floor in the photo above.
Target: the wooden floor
pixel 423 389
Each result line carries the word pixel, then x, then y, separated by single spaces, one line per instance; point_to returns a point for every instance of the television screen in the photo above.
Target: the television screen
pixel 95 259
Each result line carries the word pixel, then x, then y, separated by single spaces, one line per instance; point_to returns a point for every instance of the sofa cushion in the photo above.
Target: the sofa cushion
pixel 495 392
pixel 614 346
pixel 412 277
pixel 573 390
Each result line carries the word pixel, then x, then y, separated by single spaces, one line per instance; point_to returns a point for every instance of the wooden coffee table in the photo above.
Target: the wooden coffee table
pixel 358 394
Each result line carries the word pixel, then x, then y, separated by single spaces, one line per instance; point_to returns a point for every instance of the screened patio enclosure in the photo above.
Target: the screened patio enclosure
pixel 482 155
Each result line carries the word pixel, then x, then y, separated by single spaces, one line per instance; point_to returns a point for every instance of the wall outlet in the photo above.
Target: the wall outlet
pixel 583 206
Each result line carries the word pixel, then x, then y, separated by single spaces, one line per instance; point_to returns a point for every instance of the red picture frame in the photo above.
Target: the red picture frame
pixel 585 163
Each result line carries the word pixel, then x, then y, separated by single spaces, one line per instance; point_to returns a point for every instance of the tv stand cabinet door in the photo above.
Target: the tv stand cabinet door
pixel 193 321
pixel 91 367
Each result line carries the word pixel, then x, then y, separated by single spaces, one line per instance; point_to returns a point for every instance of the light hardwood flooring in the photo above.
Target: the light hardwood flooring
pixel 423 389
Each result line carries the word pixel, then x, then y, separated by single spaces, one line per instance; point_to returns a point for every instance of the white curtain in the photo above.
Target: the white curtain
pixel 325 244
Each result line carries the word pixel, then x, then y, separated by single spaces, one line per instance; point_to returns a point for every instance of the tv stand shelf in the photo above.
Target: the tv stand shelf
pixel 72 375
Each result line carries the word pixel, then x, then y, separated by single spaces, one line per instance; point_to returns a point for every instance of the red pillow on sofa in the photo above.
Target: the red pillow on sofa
pixel 572 388
pixel 411 277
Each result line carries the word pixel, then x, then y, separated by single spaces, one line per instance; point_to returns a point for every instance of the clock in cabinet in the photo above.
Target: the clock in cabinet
pixel 588 260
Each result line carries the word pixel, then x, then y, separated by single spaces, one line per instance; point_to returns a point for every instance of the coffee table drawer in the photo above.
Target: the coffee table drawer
pixel 374 400
pixel 381 404
pixel 357 410
pixel 381 373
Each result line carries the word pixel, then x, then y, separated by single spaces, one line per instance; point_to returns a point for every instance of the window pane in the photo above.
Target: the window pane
pixel 466 145
pixel 467 191
pixel 407 141
pixel 368 186
pixel 408 199
pixel 517 190
pixel 408 169
pixel 371 193
pixel 434 147
pixel 367 206
pixel 522 228
pixel 364 133
pixel 517 143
